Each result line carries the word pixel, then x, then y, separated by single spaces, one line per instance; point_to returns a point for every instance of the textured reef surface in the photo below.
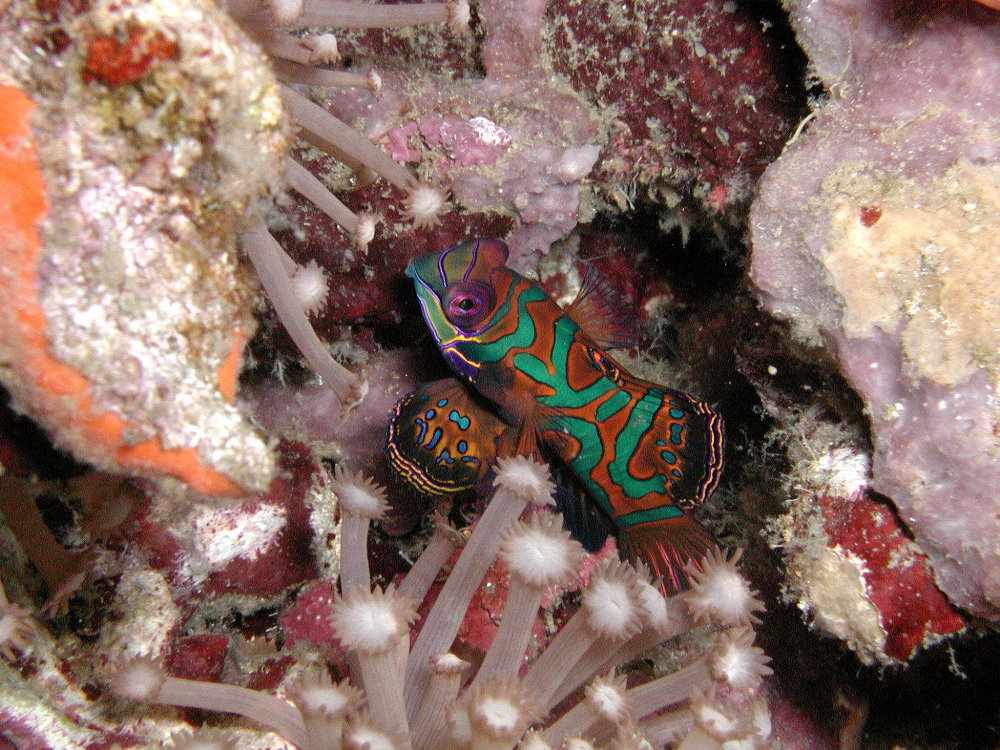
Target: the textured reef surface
pixel 872 236
pixel 206 211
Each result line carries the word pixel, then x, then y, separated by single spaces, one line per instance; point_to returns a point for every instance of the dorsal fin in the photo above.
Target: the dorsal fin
pixel 599 314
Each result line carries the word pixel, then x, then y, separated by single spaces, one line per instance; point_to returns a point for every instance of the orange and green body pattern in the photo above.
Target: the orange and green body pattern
pixel 643 452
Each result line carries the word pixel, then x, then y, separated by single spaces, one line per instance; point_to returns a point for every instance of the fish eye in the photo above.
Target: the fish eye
pixel 465 305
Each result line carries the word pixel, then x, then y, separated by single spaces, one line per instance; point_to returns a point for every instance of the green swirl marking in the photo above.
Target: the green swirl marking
pixel 612 405
pixel 639 422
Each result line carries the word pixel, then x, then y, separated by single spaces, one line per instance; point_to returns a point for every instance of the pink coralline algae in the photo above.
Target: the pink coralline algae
pixel 871 235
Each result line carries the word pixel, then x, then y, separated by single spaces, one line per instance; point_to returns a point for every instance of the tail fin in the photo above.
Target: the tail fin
pixel 667 546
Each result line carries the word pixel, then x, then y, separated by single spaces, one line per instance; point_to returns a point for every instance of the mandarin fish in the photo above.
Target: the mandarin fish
pixel 643 453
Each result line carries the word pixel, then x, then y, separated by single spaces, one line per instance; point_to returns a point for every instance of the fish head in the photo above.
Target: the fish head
pixel 458 294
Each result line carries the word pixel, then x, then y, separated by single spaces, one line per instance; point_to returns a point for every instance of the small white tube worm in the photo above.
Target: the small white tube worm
pixel 604 700
pixel 143 680
pixel 360 500
pixel 539 555
pixel 374 626
pixel 519 481
pixel 445 540
pixel 324 706
pixel 429 726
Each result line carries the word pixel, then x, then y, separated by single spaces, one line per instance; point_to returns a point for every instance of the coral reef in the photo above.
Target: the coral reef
pixel 620 615
pixel 628 138
pixel 850 566
pixel 871 236
pixel 550 113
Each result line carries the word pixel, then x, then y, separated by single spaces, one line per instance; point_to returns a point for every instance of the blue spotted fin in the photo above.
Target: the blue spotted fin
pixel 440 439
pixel 599 314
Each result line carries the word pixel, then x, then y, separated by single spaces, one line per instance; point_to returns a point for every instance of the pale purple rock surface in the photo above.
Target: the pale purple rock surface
pixel 873 235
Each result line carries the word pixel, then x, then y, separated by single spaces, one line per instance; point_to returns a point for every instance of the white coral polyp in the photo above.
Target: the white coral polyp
pixel 139 681
pixel 459 15
pixel 654 607
pixel 372 622
pixel 286 12
pixel 534 740
pixel 16 629
pixel 607 696
pixel 365 231
pixel 737 661
pixel 323 48
pixel 539 553
pixel 364 736
pixel 719 592
pixel 526 478
pixel 499 710
pixel 311 287
pixel 315 693
pixel 423 205
pixel 611 603
pixel 498 715
pixel 358 494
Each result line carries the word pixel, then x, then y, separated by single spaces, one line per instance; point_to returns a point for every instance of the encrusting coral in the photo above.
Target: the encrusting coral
pixel 124 309
pixel 871 236
pixel 415 697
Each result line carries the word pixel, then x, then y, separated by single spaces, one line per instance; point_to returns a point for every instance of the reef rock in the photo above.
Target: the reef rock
pixel 872 235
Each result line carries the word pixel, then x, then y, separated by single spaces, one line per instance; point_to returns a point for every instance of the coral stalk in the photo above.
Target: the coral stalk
pixel 420 578
pixel 327 133
pixel 324 707
pixel 349 15
pixel 374 626
pixel 305 183
pixel 144 681
pixel 518 482
pixel 446 680
pixel 360 501
pixel 266 255
pixel 609 611
pixel 604 700
pixel 663 619
pixel 671 688
pixel 538 555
